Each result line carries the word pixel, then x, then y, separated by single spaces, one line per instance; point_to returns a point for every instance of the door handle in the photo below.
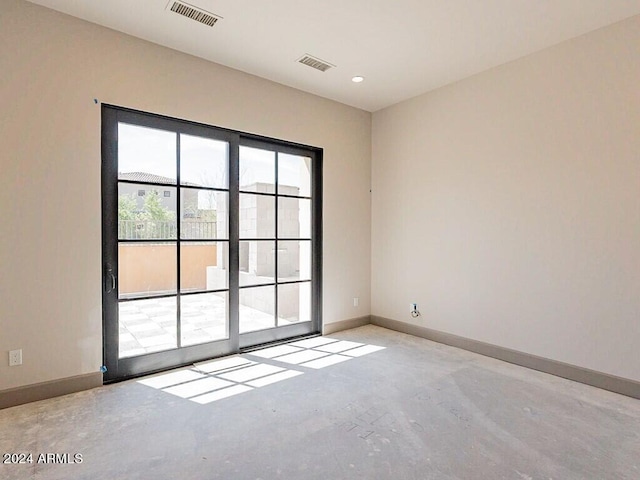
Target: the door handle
pixel 110 279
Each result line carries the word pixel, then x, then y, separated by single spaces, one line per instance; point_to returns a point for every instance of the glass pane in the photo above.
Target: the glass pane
pixel 204 317
pixel 257 262
pixel 204 266
pixel 146 269
pixel 294 218
pixel 294 260
pixel 146 212
pixel 257 170
pixel 294 175
pixel 147 326
pixel 203 162
pixel 146 154
pixel 294 303
pixel 257 308
pixel 204 214
pixel 257 216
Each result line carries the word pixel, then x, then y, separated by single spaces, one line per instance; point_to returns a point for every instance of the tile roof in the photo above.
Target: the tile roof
pixel 145 177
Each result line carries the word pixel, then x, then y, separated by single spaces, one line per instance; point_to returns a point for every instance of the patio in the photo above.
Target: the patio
pixel 149 325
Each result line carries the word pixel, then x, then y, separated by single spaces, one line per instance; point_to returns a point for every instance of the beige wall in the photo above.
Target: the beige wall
pixel 144 267
pixel 53 66
pixel 508 204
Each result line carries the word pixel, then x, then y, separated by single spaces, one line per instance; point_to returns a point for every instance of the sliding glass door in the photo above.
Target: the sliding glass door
pixel 211 241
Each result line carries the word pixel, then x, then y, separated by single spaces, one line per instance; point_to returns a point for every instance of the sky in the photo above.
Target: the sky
pixel 203 161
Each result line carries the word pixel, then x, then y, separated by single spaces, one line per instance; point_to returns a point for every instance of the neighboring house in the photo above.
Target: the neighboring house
pixel 198 206
pixel 166 193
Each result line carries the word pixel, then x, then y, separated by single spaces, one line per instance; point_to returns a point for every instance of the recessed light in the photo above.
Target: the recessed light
pixel 357 79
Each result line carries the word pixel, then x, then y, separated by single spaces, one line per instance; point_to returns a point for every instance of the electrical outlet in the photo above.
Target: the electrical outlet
pixel 356 301
pixel 15 358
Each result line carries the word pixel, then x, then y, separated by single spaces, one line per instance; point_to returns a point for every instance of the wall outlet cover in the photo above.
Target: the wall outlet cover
pixel 15 358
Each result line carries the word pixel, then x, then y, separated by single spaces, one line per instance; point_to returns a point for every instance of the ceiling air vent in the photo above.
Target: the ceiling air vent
pixel 316 63
pixel 194 13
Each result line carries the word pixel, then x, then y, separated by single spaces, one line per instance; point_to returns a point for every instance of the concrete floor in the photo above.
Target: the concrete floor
pixel 413 410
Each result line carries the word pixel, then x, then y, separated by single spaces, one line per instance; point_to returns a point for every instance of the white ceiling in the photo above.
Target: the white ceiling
pixel 402 47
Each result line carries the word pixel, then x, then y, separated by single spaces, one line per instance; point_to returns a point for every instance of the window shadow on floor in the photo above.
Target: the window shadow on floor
pixel 214 380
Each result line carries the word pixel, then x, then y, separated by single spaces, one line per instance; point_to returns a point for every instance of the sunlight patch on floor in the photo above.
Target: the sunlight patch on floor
pixel 213 380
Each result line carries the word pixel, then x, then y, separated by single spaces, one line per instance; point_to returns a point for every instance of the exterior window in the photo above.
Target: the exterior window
pixel 224 252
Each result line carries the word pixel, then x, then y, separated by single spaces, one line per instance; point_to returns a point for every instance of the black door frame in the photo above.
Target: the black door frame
pixel 123 368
